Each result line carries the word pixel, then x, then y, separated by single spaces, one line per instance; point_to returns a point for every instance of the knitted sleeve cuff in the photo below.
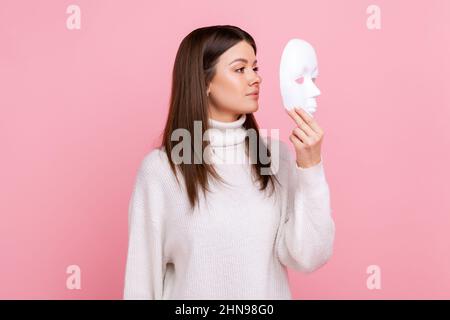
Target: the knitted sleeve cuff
pixel 312 176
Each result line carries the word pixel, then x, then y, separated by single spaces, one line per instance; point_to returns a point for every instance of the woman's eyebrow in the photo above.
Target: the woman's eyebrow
pixel 243 60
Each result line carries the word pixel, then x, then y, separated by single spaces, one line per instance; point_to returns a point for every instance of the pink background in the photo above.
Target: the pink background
pixel 80 109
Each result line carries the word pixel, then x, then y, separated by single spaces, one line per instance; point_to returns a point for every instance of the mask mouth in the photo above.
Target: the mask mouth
pixel 311 103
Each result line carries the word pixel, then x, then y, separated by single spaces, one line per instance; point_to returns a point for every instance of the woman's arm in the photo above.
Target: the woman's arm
pixel 145 264
pixel 306 234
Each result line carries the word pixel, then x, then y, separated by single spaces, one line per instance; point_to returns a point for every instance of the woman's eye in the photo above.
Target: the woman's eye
pixel 255 69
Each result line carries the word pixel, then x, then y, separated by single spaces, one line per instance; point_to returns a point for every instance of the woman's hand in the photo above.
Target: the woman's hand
pixel 306 137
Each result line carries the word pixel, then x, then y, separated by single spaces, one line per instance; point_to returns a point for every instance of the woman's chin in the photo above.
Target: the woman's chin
pixel 252 108
pixel 246 109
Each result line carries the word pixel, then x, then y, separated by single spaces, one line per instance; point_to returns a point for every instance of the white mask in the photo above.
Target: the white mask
pixel 298 67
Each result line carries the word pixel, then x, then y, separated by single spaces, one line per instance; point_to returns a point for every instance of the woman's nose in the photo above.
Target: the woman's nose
pixel 257 79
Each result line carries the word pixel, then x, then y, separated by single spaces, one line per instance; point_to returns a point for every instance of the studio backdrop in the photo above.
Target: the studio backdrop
pixel 84 95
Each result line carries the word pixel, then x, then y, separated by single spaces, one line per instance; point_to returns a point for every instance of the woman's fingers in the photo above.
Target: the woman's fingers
pixel 302 136
pixel 309 120
pixel 296 141
pixel 300 122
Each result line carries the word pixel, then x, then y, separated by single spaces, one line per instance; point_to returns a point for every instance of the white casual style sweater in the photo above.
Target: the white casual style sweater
pixel 238 243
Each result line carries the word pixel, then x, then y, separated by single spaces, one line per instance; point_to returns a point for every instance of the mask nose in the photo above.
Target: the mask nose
pixel 314 90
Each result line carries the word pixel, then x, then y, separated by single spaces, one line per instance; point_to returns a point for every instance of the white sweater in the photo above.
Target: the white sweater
pixel 239 243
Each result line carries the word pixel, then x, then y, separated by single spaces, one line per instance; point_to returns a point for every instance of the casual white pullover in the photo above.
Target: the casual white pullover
pixel 238 242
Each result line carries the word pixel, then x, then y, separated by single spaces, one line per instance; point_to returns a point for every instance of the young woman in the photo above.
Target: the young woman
pixel 222 228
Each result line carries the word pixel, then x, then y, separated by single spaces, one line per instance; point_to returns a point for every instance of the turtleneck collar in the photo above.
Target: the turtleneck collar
pixel 222 134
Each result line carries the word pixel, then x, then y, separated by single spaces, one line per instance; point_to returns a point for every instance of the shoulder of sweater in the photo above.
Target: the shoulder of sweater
pixel 151 161
pixel 155 166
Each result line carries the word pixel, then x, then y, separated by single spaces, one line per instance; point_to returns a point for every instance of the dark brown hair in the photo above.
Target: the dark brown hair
pixel 193 70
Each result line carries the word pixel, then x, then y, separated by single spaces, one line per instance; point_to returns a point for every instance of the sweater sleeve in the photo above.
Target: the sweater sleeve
pixel 307 230
pixel 145 263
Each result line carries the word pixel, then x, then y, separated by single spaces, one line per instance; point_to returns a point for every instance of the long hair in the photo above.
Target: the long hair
pixel 194 68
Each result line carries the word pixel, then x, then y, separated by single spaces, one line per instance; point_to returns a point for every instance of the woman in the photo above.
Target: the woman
pixel 222 228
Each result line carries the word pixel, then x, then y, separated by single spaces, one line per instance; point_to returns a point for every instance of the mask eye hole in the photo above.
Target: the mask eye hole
pixel 300 80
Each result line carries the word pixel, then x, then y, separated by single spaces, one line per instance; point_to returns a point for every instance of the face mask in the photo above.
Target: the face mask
pixel 298 68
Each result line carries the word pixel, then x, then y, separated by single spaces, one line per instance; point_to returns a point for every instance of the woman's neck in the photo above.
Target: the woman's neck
pixel 223 133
